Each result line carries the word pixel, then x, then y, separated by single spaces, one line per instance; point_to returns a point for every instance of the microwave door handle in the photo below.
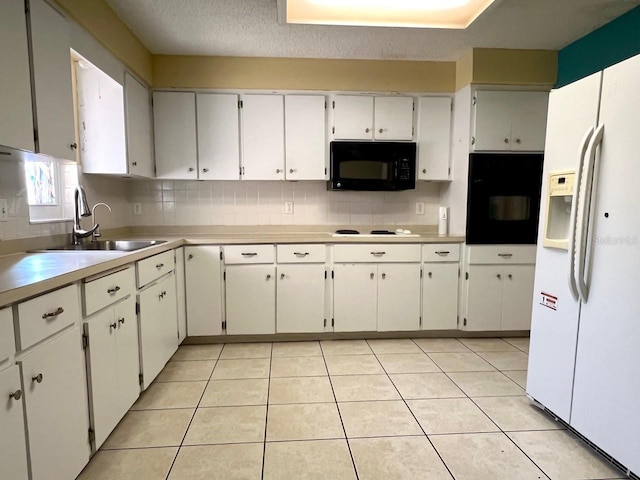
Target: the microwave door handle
pixel 573 287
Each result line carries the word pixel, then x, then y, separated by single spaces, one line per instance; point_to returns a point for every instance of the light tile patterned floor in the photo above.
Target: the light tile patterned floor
pixel 344 409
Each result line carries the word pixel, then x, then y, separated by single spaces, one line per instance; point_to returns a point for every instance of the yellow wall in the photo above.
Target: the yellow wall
pixel 302 74
pixel 497 66
pixel 97 17
pixel 464 70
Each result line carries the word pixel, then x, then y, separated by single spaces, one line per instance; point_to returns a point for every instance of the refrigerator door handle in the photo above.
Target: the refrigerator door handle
pixel 573 288
pixel 590 194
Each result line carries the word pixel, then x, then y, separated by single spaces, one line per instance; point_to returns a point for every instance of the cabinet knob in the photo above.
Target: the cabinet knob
pixel 292 170
pixel 114 290
pixel 282 276
pixel 510 276
pixel 159 265
pixel 121 321
pixel 367 130
pixel 17 395
pixel 189 257
pixel 372 275
pixel 278 170
pixel 506 140
pixel 205 170
pixel 384 275
pixel 430 274
pixel 55 313
pixel 113 326
pixel 380 131
pixel 191 169
pixel 134 164
pixel 499 276
pixel 37 378
pixel 268 276
pixel 73 146
pixel 424 170
pixel 518 140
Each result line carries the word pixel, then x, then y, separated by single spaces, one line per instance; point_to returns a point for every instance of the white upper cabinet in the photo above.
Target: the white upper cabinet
pixel 139 127
pixel 16 116
pixel 393 118
pixel 510 120
pixel 174 115
pixel 101 121
pixel 434 138
pixel 353 117
pixel 305 137
pixel 263 137
pixel 218 136
pixel 50 36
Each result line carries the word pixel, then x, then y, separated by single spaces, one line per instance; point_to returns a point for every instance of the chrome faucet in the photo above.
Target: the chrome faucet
pixel 81 209
pixel 96 231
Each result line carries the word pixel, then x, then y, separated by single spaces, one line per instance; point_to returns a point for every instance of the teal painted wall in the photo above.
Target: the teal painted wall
pixel 611 43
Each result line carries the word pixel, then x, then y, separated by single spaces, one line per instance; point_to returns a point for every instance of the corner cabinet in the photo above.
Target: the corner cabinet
pixel 137 102
pixel 51 42
pixel 499 287
pixel 509 120
pixel 16 115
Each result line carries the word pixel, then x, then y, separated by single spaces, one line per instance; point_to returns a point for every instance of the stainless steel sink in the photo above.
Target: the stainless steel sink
pixel 109 245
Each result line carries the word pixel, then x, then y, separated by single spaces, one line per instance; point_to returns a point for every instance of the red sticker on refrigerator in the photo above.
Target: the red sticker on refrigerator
pixel 549 301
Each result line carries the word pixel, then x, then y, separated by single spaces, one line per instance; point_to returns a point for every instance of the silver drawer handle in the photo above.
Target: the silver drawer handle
pixel 57 312
pixel 37 378
pixel 378 253
pixel 301 254
pixel 249 254
pixel 505 255
pixel 114 290
pixel 17 395
pixel 159 266
pixel 442 252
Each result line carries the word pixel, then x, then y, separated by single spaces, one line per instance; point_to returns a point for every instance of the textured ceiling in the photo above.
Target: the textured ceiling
pixel 251 28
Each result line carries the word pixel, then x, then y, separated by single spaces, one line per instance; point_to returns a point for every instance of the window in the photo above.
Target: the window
pixel 50 186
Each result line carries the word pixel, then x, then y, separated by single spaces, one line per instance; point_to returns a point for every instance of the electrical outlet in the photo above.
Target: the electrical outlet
pixel 419 208
pixel 4 210
pixel 137 208
pixel 288 207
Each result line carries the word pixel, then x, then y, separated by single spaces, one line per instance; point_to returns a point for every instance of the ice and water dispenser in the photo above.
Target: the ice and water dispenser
pixel 559 202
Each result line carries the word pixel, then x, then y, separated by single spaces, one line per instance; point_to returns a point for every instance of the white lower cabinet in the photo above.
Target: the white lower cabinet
pixel 157 327
pixel 440 284
pixel 113 366
pixel 300 298
pixel 55 398
pixel 203 280
pixel 355 297
pixel 13 447
pixel 398 296
pixel 498 296
pixel 250 299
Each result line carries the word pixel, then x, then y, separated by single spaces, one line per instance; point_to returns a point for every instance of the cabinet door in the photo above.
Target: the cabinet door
pixel 56 408
pixel 353 117
pixel 398 297
pixel 174 119
pixel 16 115
pixel 517 297
pixel 355 297
pixel 50 37
pixel 251 299
pixel 434 138
pixel 218 136
pixel 139 128
pixel 203 290
pixel 393 118
pixel 263 137
pixel 13 448
pixel 128 354
pixel 300 298
pixel 484 298
pixel 102 357
pixel 440 296
pixel 529 120
pixel 492 122
pixel 181 294
pixel 305 137
pixel 157 328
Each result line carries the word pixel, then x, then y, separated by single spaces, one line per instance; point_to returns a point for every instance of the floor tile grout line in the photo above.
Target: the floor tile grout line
pixel 344 430
pixel 266 415
pixel 416 420
pixel 194 415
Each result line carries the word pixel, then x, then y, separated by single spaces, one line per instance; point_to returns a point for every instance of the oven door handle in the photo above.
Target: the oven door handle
pixel 573 286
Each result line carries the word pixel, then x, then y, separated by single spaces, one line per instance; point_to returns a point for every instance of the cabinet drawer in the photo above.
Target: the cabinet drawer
pixel 154 267
pixel 109 289
pixel 47 314
pixel 377 253
pixel 302 253
pixel 7 339
pixel 237 254
pixel 501 254
pixel 441 252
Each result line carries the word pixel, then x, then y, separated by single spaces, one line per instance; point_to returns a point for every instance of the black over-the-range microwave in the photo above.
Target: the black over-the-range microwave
pixel 373 166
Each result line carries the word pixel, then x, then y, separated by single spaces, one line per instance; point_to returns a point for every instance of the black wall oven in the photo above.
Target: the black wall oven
pixel 503 202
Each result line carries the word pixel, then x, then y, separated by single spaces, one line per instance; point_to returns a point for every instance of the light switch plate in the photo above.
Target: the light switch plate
pixel 137 208
pixel 288 207
pixel 4 210
pixel 419 208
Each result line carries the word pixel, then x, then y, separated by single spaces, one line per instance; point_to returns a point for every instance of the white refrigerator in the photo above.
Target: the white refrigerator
pixel 584 363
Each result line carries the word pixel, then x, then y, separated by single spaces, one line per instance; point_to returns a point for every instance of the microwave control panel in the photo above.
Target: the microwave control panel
pixel 404 169
pixel 561 184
